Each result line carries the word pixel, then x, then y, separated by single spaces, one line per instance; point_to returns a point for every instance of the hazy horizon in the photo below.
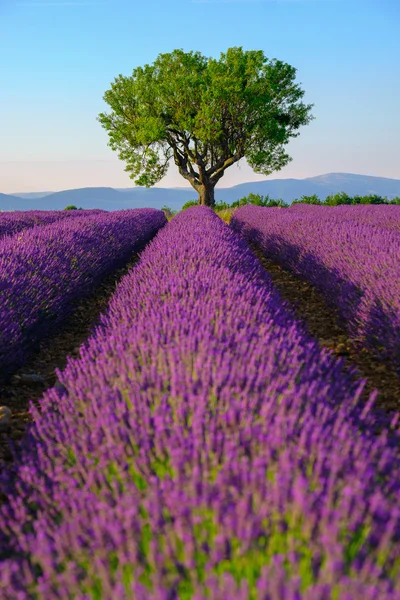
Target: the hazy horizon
pixel 63 56
pixel 271 178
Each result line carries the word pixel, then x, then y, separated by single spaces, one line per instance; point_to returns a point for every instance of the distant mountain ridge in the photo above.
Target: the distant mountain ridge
pixel 109 198
pixel 32 194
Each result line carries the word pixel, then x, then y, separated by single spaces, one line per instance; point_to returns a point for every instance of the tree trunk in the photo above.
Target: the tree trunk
pixel 206 195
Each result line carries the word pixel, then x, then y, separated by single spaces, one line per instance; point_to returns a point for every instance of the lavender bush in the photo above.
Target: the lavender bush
pixel 203 446
pixel 352 259
pixel 13 222
pixel 44 270
pixel 384 216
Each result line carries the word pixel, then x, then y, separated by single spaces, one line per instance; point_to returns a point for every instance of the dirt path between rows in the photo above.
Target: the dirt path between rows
pixel 324 323
pixel 53 354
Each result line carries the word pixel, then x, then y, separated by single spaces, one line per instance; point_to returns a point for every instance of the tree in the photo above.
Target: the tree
pixel 308 200
pixel 255 199
pixel 168 212
pixel 337 199
pixel 372 199
pixel 259 200
pixel 189 204
pixel 206 114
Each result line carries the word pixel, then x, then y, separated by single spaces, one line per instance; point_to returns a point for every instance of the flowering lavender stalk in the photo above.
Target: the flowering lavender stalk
pixel 204 446
pixel 350 254
pixel 44 270
pixel 13 222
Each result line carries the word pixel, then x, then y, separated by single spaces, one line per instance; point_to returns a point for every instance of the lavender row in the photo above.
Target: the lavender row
pixel 202 446
pixel 384 216
pixel 14 222
pixel 44 270
pixel 354 265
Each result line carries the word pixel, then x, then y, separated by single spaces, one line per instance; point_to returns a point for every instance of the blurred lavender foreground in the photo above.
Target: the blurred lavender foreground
pixel 45 269
pixel 204 447
pixel 351 254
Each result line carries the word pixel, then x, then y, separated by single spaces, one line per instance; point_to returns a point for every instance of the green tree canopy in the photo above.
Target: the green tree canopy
pixel 206 114
pixel 308 200
pixel 337 199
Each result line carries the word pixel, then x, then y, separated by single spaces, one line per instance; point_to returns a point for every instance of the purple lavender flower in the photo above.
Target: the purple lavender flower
pixel 351 254
pixel 205 447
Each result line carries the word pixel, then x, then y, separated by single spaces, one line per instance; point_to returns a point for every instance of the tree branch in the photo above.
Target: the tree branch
pixel 183 141
pixel 219 169
pixel 184 166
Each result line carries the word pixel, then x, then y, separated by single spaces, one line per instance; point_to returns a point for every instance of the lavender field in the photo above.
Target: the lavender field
pixel 202 445
pixel 351 254
pixel 11 223
pixel 44 269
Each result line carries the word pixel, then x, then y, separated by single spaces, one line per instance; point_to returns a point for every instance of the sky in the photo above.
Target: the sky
pixel 58 57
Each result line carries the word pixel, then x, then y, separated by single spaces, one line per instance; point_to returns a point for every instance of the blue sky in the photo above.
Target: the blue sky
pixel 58 57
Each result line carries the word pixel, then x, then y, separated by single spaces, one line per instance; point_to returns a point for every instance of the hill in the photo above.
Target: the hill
pixel 109 198
pixel 32 195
